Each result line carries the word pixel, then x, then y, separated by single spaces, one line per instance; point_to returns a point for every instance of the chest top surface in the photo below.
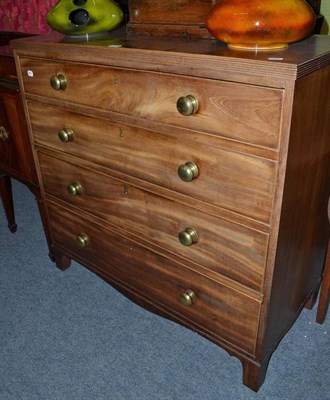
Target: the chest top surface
pixel 194 57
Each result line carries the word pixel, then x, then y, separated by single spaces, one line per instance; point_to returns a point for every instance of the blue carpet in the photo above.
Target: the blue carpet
pixel 69 335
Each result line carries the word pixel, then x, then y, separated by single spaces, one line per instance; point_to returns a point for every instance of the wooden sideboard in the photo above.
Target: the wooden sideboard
pixel 192 178
pixel 16 156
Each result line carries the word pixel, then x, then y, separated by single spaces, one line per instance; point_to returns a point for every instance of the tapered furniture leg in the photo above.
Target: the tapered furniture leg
pixel 44 218
pixel 312 299
pixel 254 373
pixel 7 201
pixel 62 261
pixel 325 290
pixel 325 285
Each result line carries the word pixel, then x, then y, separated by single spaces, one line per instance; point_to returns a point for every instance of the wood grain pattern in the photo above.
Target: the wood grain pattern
pixel 304 231
pixel 240 112
pixel 180 11
pixel 15 151
pixel 193 57
pixel 225 248
pixel 230 180
pixel 225 312
pixel 182 17
pixel 262 143
pixel 16 160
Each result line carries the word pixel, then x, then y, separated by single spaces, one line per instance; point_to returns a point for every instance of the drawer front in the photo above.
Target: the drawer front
pixel 237 182
pixel 158 12
pixel 242 112
pixel 223 247
pixel 14 141
pixel 226 313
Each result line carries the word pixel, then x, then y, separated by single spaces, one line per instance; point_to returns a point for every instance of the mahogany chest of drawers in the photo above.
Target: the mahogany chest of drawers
pixel 192 178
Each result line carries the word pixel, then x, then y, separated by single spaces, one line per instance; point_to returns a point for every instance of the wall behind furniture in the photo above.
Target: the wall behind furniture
pixel 325 10
pixel 30 15
pixel 25 16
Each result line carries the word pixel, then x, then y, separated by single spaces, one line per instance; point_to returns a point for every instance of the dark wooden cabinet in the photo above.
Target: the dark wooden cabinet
pixel 16 156
pixel 16 159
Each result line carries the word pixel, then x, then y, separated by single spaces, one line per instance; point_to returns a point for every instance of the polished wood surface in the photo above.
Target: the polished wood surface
pixel 186 18
pixel 234 181
pixel 16 158
pixel 145 215
pixel 303 231
pixel 159 280
pixel 188 57
pixel 235 111
pixel 257 205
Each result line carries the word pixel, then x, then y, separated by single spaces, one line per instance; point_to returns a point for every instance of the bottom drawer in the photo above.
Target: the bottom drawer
pixel 218 310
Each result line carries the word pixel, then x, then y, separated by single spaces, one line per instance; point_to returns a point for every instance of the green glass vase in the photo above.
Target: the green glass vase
pixel 76 18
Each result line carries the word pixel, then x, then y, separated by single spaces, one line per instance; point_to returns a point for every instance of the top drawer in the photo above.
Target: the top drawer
pixel 246 113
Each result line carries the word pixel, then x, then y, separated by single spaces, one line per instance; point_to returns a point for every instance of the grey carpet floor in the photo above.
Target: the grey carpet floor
pixel 69 335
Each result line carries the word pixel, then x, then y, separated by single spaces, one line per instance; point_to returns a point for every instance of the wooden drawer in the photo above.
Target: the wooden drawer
pixel 158 17
pixel 225 313
pixel 15 152
pixel 226 248
pixel 242 112
pixel 171 12
pixel 234 181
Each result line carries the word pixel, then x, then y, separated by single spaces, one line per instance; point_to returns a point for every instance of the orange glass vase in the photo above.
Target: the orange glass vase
pixel 260 24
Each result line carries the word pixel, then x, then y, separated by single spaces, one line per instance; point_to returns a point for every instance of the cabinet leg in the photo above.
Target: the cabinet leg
pixel 61 260
pixel 325 290
pixel 254 374
pixel 7 201
pixel 312 299
pixel 44 218
pixel 46 226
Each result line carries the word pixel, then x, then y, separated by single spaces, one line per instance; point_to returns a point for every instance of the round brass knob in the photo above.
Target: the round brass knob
pixel 3 134
pixel 188 297
pixel 66 135
pixel 83 240
pixel 74 189
pixel 58 82
pixel 188 171
pixel 187 105
pixel 188 237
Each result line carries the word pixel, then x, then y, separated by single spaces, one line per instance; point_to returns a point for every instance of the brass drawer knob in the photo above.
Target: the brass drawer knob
pixel 187 105
pixel 188 171
pixel 58 82
pixel 188 237
pixel 3 134
pixel 66 135
pixel 83 240
pixel 188 297
pixel 74 189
